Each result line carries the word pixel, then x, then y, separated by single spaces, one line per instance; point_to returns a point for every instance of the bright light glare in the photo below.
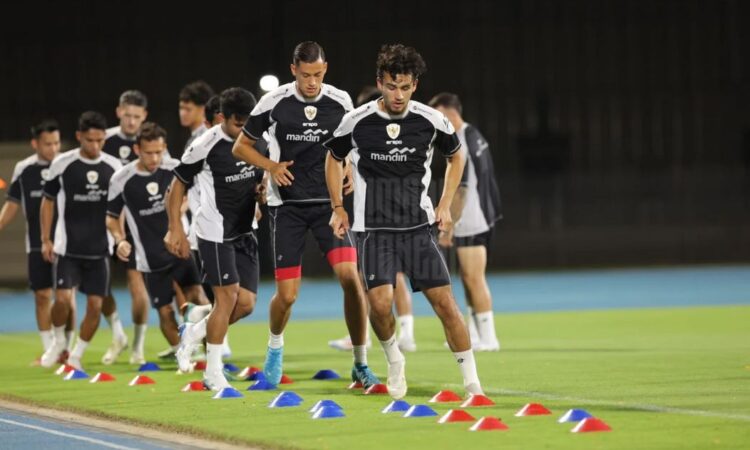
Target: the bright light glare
pixel 269 82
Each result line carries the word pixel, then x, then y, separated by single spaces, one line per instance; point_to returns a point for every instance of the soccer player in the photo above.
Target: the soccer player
pixel 77 184
pixel 224 225
pixel 132 110
pixel 25 193
pixel 297 117
pixel 192 108
pixel 391 142
pixel 139 189
pixel 475 209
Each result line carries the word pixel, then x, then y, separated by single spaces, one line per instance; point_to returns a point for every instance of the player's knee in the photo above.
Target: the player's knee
pixel 286 298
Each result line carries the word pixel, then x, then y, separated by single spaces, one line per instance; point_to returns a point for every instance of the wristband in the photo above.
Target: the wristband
pixel 338 206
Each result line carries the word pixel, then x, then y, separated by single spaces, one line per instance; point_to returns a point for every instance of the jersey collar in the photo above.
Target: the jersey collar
pixel 303 99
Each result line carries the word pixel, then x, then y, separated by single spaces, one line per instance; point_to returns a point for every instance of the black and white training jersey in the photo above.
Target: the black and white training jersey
pixel 79 186
pixel 227 187
pixel 391 158
pixel 296 130
pixel 482 202
pixel 142 195
pixel 119 145
pixel 29 177
pixel 193 193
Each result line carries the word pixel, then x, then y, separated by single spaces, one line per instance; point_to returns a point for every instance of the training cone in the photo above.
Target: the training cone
pixel 326 374
pixel 477 400
pixel 420 411
pixel 456 415
pixel 328 412
pixel 285 399
pixel 589 425
pixel 324 404
pixel 261 385
pixel 376 389
pixel 248 371
pixel 533 409
pixel 396 406
pixel 574 415
pixel 488 424
pixel 286 380
pixel 229 367
pixel 228 392
pixel 149 367
pixel 64 369
pixel 356 385
pixel 257 376
pixel 194 386
pixel 199 365
pixel 3 184
pixel 76 375
pixel 141 379
pixel 101 377
pixel 445 397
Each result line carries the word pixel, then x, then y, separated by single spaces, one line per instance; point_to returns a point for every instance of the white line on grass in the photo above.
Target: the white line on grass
pixel 68 435
pixel 633 406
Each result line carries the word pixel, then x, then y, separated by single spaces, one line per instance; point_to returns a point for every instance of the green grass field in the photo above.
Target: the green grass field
pixel 662 378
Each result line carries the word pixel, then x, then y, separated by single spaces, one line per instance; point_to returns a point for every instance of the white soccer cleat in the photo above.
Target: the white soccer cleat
pixel 52 355
pixel 396 382
pixel 215 381
pixel 183 354
pixel 137 358
pixel 407 345
pixel 492 346
pixel 115 349
pixel 75 363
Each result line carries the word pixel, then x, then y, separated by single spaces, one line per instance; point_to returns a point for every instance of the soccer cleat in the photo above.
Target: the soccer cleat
pixel 473 389
pixel 52 355
pixel 167 355
pixel 215 381
pixel 492 346
pixel 185 350
pixel 137 358
pixel 75 363
pixel 363 374
pixel 115 348
pixel 396 379
pixel 186 309
pixel 226 351
pixel 345 344
pixel 407 345
pixel 272 367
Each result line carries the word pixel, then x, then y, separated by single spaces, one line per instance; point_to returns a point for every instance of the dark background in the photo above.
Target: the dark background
pixel 620 129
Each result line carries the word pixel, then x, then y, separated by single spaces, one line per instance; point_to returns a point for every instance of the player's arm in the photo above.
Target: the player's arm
pixel 122 246
pixel 453 171
pixel 46 215
pixel 14 196
pixel 244 150
pixel 176 240
pixel 8 213
pixel 338 148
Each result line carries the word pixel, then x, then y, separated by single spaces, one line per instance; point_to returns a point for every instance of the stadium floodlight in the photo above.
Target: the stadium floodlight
pixel 269 82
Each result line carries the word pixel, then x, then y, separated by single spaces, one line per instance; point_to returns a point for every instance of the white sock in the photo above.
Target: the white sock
pixel 198 331
pixel 47 338
pixel 392 352
pixel 468 366
pixel 59 337
pixel 213 358
pixel 275 340
pixel 471 322
pixel 117 331
pixel 360 354
pixel 406 327
pixel 69 340
pixel 225 343
pixel 139 338
pixel 79 348
pixel 486 327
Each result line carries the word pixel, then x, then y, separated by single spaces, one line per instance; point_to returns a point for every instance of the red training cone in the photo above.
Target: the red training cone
pixel 456 415
pixel 286 380
pixel 194 386
pixel 477 400
pixel 247 371
pixel 488 424
pixel 376 389
pixel 533 409
pixel 445 397
pixel 141 379
pixel 101 377
pixel 199 365
pixel 65 368
pixel 356 385
pixel 589 425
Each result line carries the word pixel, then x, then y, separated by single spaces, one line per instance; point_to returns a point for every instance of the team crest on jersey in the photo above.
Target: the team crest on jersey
pixel 393 130
pixel 311 112
pixel 153 188
pixel 45 174
pixel 124 152
pixel 92 176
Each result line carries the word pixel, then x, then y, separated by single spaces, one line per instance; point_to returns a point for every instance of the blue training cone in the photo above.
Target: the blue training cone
pixel 420 411
pixel 574 415
pixel 325 404
pixel 326 374
pixel 228 392
pixel 257 376
pixel 261 385
pixel 328 412
pixel 231 367
pixel 149 367
pixel 76 375
pixel 285 399
pixel 396 406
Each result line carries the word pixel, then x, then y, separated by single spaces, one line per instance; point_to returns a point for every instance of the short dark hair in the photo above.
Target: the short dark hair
pixel 197 92
pixel 447 100
pixel 236 102
pixel 399 59
pixel 92 120
pixel 368 94
pixel 134 98
pixel 213 106
pixel 45 126
pixel 150 131
pixel 308 52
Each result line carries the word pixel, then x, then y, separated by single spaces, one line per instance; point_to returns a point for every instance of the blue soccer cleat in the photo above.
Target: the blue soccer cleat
pixel 272 368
